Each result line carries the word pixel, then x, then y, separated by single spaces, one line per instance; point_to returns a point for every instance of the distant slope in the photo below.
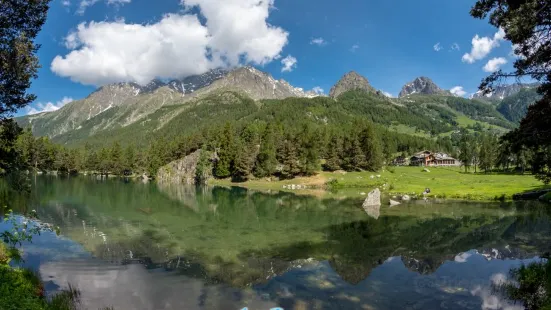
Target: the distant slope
pixel 514 107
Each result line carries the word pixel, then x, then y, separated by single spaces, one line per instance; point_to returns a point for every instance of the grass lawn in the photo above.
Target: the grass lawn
pixel 443 182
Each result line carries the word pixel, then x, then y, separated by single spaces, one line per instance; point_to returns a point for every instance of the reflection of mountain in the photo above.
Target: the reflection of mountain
pixel 240 237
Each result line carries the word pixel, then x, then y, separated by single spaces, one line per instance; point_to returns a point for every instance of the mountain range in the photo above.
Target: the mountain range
pixel 116 110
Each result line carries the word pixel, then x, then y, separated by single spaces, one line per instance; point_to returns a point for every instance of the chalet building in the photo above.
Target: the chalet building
pixel 429 159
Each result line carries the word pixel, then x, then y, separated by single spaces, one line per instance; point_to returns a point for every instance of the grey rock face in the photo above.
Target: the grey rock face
pixel 192 83
pixel 422 85
pixel 503 91
pixel 255 83
pixel 181 171
pixel 350 81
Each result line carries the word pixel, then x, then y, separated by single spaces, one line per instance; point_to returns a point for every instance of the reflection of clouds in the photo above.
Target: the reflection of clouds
pixel 462 258
pixel 498 279
pixel 493 302
pixel 134 287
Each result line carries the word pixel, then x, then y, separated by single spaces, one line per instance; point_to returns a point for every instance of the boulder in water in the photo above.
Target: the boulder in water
pixel 373 198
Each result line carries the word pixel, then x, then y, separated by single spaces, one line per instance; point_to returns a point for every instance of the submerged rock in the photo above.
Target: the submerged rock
pixel 394 202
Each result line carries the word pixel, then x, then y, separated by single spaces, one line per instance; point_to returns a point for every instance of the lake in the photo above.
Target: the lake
pixel 131 245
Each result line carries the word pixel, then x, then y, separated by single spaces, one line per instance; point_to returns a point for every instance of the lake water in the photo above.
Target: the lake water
pixel 143 246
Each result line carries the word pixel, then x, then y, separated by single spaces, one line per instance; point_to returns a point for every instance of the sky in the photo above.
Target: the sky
pixel 310 43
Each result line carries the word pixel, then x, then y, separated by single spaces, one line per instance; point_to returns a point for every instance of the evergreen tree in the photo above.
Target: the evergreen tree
pixel 266 161
pixel 488 152
pixel 353 157
pixel 466 150
pixel 333 161
pixel 289 159
pixel 116 165
pixel 226 153
pixel 129 165
pixel 243 163
pixel 371 147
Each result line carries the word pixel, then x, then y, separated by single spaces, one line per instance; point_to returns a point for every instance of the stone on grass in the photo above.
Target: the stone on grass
pixel 406 198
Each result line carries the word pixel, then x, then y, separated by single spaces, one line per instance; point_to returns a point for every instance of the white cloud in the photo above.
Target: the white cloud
pixel 236 32
pixel 318 41
pixel 318 90
pixel 458 91
pixel 482 46
pixel 66 3
pixel 389 95
pixel 455 47
pixel 48 106
pixel 494 64
pixel 84 4
pixel 437 47
pixel 354 48
pixel 289 63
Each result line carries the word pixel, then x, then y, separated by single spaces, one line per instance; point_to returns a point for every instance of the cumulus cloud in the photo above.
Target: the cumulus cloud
pixel 318 90
pixel 494 64
pixel 437 47
pixel 389 95
pixel 289 63
pixel 482 46
pixel 354 48
pixel 458 91
pixel 318 41
pixel 66 3
pixel 235 32
pixel 455 47
pixel 48 106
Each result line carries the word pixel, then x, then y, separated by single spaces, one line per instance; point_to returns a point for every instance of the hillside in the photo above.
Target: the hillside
pixel 134 114
pixel 515 106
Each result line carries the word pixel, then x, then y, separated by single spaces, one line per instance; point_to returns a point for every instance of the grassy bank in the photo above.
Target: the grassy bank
pixel 450 183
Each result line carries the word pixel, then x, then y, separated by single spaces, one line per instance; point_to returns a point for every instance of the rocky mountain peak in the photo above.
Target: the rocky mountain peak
pixel 350 81
pixel 192 83
pixel 422 85
pixel 256 84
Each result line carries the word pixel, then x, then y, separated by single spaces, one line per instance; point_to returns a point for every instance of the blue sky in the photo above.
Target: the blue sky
pixel 389 41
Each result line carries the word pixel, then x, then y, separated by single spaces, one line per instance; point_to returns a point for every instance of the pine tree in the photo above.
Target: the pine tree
pixel 116 164
pixel 289 159
pixel 333 161
pixel 129 160
pixel 371 147
pixel 266 160
pixel 243 163
pixel 226 153
pixel 354 157
pixel 466 149
pixel 488 152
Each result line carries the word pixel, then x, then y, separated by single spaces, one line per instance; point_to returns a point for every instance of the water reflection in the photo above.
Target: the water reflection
pixel 146 243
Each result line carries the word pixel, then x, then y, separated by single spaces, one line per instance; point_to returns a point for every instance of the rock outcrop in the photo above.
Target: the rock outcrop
pixel 351 81
pixel 181 171
pixel 422 85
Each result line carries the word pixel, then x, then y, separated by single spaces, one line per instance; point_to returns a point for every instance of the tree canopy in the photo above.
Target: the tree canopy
pixel 527 24
pixel 20 22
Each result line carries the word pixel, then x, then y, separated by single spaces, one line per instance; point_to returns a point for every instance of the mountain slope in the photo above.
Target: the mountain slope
pixel 503 91
pixel 515 106
pixel 123 104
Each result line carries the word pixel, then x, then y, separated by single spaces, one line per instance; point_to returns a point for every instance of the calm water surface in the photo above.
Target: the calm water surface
pixel 144 246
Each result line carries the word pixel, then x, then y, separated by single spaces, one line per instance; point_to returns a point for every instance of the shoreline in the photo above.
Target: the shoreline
pixel 444 183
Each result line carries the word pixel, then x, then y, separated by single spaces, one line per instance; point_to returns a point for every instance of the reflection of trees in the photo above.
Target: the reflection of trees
pixel 242 237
